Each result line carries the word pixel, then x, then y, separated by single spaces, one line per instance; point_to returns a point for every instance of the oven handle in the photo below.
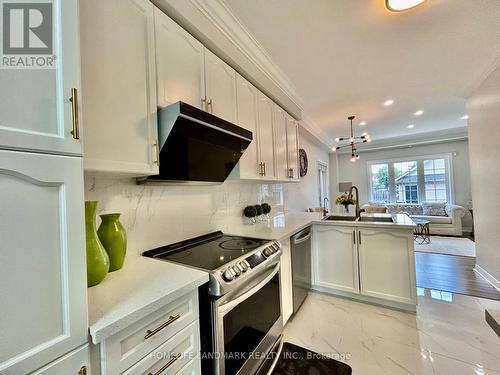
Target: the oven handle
pixel 247 292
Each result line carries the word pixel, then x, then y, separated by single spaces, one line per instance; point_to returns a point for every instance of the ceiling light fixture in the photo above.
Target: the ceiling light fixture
pixel 411 126
pixel 352 141
pixel 464 117
pixel 362 123
pixel 419 113
pixel 401 5
pixel 388 102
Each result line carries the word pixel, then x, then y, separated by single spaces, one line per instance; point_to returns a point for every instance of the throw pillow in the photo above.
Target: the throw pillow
pixel 434 209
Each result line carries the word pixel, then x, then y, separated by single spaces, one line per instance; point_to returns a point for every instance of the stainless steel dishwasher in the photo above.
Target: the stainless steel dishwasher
pixel 301 266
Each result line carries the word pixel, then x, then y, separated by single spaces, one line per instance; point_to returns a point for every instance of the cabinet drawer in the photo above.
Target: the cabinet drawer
pixel 128 346
pixel 171 356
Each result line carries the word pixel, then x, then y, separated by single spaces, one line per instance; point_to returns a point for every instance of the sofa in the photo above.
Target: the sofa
pixel 444 218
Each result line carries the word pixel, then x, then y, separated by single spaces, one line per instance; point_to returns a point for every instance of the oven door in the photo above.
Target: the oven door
pixel 248 323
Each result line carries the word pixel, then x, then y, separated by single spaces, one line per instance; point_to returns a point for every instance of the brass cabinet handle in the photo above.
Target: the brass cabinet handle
pixel 204 103
pixel 261 166
pixel 174 358
pixel 290 172
pixel 264 165
pixel 157 152
pixel 209 105
pixel 153 332
pixel 83 370
pixel 354 237
pixel 74 113
pixel 359 237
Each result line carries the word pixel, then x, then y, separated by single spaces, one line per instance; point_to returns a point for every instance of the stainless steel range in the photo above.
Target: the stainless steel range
pixel 240 309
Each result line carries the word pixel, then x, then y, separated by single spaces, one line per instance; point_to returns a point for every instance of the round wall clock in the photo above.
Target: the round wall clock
pixel 303 162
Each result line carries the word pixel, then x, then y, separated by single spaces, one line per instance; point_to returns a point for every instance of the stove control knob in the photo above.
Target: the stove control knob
pixel 228 274
pixel 243 266
pixel 268 252
pixel 236 270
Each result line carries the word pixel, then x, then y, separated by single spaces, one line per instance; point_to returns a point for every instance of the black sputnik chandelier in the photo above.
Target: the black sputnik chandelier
pixel 352 141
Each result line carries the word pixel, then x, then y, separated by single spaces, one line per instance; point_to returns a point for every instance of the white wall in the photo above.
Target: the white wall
pixel 483 108
pixel 155 215
pixel 357 172
pixel 301 196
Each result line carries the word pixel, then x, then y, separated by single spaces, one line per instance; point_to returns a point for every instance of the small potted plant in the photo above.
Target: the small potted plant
pixel 266 209
pixel 345 201
pixel 250 212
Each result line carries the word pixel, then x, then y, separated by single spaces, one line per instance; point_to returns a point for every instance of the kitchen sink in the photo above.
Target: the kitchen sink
pixel 340 218
pixel 376 219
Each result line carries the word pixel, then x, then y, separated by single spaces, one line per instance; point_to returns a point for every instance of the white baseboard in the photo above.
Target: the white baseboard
pixel 487 276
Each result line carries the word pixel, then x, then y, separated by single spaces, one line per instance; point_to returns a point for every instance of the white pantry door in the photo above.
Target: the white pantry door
pixel 35 108
pixel 43 292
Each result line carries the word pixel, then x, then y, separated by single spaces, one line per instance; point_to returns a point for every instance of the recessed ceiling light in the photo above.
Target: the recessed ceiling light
pixel 411 126
pixel 464 117
pixel 419 113
pixel 362 123
pixel 401 5
pixel 388 102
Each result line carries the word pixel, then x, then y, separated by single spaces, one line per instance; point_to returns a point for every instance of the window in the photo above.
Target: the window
pixel 411 180
pixel 322 182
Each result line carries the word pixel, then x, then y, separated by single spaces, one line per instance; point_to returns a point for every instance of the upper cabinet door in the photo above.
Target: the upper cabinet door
pixel 119 86
pixel 266 137
pixel 179 64
pixel 220 87
pixel 35 107
pixel 280 117
pixel 247 99
pixel 292 141
pixel 43 289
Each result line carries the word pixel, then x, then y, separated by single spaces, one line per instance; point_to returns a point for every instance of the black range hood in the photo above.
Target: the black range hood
pixel 196 146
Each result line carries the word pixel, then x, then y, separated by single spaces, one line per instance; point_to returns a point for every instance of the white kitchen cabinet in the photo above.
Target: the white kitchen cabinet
pixel 265 109
pixel 76 362
pixel 286 280
pixel 119 86
pixel 247 98
pixel 387 264
pixel 35 106
pixel 43 287
pixel 292 141
pixel 335 258
pixel 220 83
pixel 180 65
pixel 280 143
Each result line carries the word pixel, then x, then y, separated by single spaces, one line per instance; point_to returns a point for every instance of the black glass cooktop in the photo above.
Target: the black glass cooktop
pixel 207 252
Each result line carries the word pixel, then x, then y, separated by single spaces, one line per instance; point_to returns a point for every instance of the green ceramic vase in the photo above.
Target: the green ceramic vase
pixel 114 239
pixel 97 258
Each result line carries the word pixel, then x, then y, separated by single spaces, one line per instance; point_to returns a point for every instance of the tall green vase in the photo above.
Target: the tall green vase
pixel 97 258
pixel 114 239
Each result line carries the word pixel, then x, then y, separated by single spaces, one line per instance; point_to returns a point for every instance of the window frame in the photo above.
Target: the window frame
pixel 322 167
pixel 448 157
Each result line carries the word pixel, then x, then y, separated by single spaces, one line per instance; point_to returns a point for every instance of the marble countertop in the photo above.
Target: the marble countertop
pixel 141 287
pixel 283 225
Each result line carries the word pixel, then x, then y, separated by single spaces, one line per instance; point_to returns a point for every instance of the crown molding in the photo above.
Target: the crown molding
pixel 313 128
pixel 221 16
pixel 441 136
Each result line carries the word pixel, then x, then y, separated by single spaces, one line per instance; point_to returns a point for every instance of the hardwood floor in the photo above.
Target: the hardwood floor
pixel 452 273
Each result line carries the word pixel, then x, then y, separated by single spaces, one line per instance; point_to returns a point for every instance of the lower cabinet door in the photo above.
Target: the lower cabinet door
pixel 43 287
pixel 74 363
pixel 387 265
pixel 335 258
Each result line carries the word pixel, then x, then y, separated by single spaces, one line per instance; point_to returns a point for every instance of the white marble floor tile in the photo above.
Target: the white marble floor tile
pixel 447 335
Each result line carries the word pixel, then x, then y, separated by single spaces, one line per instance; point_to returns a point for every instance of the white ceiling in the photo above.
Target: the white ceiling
pixel 348 56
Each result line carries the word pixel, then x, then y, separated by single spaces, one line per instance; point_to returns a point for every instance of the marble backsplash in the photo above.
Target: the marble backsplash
pixel 155 215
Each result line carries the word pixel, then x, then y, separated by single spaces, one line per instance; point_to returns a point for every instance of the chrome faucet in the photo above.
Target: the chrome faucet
pixel 325 210
pixel 358 210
